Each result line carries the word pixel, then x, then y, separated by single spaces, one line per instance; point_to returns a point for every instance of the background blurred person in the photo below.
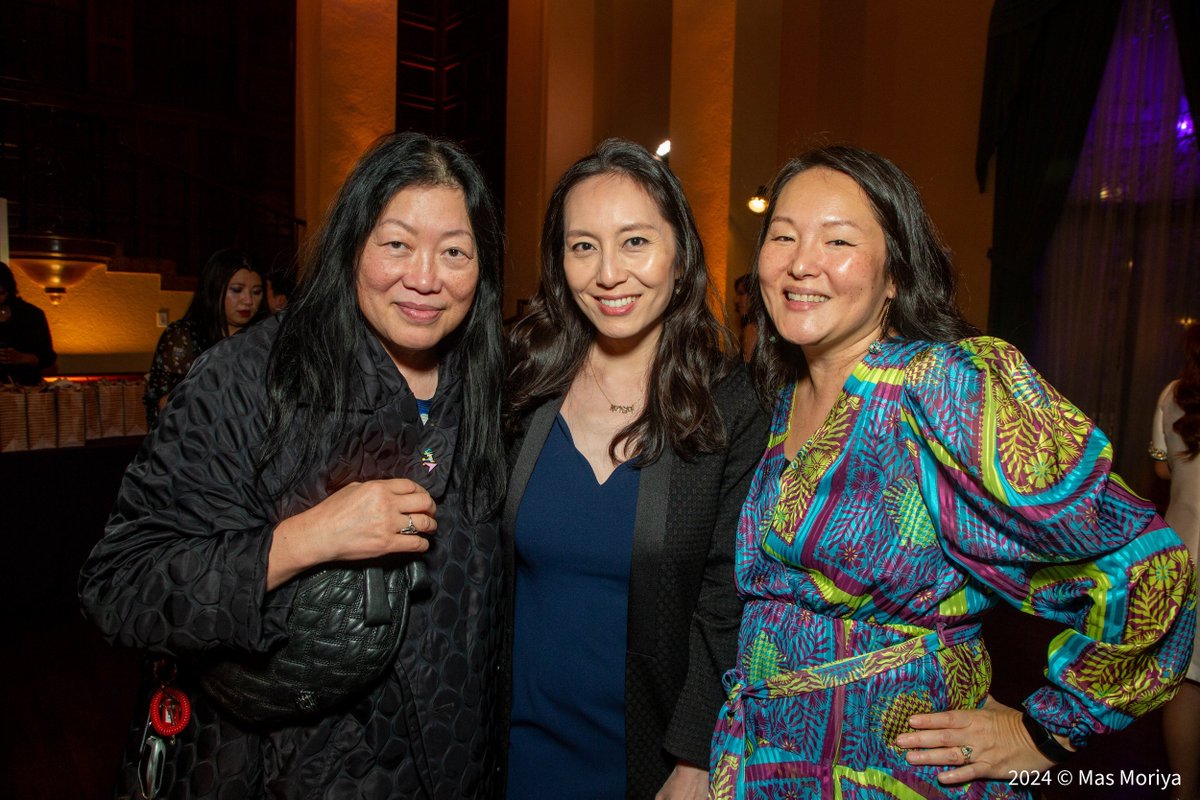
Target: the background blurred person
pixel 26 350
pixel 1174 443
pixel 228 297
pixel 280 286
pixel 747 328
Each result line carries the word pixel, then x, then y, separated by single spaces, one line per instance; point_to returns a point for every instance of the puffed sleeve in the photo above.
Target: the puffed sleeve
pixel 712 647
pixel 181 568
pixel 1019 482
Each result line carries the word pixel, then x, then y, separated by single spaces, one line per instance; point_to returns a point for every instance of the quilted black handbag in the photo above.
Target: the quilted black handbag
pixel 345 628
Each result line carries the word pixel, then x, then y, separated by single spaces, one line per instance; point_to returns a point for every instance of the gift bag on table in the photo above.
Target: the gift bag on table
pixel 69 406
pixel 133 407
pixel 42 425
pixel 13 428
pixel 105 409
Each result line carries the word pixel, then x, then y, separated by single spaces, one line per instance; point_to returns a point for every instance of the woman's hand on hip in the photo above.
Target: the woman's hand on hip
pixel 686 782
pixel 359 521
pixel 989 742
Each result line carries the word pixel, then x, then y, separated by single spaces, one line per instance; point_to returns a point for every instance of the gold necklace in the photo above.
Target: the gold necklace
pixel 613 407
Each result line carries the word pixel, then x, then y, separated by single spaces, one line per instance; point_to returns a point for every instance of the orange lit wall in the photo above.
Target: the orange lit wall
pixel 749 83
pixel 345 92
pixel 106 322
pixel 702 61
pixel 904 78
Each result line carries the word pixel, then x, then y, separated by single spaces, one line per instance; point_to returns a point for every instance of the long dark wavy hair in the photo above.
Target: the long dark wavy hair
pixel 918 263
pixel 206 311
pixel 312 360
pixel 549 346
pixel 1187 392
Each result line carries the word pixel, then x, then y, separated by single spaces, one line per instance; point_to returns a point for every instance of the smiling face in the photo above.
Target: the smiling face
pixel 618 259
pixel 243 296
pixel 822 266
pixel 417 273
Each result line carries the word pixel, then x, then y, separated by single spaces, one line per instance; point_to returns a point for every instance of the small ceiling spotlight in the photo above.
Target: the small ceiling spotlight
pixel 664 149
pixel 758 203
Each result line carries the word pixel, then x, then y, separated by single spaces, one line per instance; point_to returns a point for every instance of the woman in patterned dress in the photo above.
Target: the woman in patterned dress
pixel 917 475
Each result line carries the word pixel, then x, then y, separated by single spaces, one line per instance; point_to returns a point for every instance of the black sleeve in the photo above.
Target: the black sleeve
pixel 712 645
pixel 181 568
pixel 35 337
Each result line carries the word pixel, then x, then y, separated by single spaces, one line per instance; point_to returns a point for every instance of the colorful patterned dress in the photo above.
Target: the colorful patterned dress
pixel 947 478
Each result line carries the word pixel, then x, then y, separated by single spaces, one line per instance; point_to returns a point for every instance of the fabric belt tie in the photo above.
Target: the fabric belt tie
pixel 726 774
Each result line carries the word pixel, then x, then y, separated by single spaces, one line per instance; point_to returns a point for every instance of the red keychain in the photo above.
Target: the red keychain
pixel 170 712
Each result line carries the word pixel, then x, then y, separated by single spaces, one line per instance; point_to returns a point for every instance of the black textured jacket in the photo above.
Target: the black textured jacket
pixel 181 570
pixel 684 611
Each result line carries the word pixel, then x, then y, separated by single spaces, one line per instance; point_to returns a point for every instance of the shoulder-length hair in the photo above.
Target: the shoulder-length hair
pixel 312 359
pixel 206 311
pixel 918 263
pixel 1187 392
pixel 549 346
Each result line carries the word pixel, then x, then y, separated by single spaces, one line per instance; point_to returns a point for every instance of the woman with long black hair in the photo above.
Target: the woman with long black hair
pixel 361 424
pixel 918 475
pixel 636 433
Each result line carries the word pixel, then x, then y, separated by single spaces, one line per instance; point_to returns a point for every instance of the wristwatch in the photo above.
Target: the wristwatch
pixel 1044 740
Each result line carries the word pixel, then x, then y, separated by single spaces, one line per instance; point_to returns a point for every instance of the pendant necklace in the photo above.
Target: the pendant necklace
pixel 613 407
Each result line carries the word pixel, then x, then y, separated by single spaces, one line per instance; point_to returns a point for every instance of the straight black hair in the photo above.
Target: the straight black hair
pixel 548 347
pixel 312 360
pixel 918 263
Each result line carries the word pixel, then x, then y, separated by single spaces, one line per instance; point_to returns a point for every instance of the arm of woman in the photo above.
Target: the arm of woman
pixel 173 357
pixel 181 567
pixel 713 636
pixel 1158 435
pixel 194 543
pixel 1020 481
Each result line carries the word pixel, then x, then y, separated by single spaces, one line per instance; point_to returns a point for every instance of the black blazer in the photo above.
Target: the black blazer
pixel 684 610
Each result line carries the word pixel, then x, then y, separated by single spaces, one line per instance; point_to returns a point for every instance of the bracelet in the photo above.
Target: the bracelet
pixel 1044 740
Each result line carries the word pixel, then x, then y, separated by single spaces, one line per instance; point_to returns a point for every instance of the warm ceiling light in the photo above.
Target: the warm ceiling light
pixel 664 149
pixel 57 262
pixel 758 203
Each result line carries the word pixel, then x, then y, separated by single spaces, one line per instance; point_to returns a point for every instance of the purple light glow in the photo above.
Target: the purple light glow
pixel 1184 126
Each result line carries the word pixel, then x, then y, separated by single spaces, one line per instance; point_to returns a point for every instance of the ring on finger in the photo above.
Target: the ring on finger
pixel 411 527
pixel 966 751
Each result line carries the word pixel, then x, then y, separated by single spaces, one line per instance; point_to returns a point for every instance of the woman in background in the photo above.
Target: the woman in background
pixel 362 424
pixel 744 292
pixel 917 475
pixel 25 346
pixel 228 298
pixel 636 433
pixel 1174 444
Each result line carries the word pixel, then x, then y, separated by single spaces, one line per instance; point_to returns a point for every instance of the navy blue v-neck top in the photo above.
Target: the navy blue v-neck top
pixel 574 544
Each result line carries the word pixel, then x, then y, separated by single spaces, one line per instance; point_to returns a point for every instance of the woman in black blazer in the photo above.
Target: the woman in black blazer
pixel 635 433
